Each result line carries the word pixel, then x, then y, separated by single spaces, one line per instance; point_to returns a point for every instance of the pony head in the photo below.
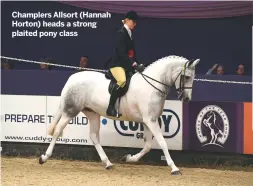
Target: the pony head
pixel 183 76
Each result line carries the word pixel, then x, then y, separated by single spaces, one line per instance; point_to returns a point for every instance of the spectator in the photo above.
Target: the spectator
pixel 5 64
pixel 240 70
pixel 83 62
pixel 219 70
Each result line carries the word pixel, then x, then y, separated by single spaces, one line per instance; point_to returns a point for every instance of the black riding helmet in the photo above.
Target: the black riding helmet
pixel 132 15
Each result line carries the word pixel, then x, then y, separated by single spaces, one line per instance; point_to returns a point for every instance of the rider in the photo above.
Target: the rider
pixel 124 59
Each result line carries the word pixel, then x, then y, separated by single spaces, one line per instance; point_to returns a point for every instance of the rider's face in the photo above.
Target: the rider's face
pixel 131 23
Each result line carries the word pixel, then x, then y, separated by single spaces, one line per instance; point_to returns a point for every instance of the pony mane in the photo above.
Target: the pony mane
pixel 164 58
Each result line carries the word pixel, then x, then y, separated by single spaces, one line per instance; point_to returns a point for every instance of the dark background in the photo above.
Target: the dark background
pixel 227 41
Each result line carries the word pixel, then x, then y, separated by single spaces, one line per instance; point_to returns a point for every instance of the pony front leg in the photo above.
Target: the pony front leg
pixel 94 120
pixel 146 148
pixel 153 125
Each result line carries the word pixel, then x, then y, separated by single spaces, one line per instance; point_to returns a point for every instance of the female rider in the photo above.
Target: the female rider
pixel 124 59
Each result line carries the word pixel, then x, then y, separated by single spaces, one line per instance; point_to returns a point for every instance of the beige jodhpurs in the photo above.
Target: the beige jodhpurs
pixel 120 75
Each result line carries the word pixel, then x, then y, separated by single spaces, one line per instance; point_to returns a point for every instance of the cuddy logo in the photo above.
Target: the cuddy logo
pixel 212 126
pixel 169 123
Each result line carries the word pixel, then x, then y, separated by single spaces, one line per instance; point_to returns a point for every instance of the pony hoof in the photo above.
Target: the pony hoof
pixel 109 167
pixel 126 157
pixel 176 173
pixel 41 161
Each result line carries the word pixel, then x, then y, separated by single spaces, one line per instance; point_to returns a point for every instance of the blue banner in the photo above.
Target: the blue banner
pixel 213 127
pixel 38 82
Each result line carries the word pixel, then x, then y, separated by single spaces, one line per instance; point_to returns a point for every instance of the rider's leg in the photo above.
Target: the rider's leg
pixel 120 76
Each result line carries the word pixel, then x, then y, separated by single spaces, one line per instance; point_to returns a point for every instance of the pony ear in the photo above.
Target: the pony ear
pixel 190 62
pixel 195 62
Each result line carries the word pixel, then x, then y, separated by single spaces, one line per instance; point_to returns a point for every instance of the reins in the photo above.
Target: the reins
pixel 181 86
pixel 154 80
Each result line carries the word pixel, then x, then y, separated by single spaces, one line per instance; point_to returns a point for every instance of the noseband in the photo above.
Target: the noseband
pixel 181 88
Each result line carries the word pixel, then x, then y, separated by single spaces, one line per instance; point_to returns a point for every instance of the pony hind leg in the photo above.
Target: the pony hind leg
pixel 156 130
pixel 70 106
pixel 64 120
pixel 94 120
pixel 147 147
pixel 54 122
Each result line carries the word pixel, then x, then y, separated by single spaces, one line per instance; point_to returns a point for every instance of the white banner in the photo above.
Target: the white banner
pixel 23 118
pixel 26 119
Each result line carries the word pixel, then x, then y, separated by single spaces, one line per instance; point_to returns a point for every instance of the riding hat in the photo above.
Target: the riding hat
pixel 132 15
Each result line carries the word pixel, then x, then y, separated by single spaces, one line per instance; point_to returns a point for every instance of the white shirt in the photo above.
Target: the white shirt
pixel 128 30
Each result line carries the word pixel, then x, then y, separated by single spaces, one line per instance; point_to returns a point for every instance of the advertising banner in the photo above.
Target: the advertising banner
pixel 23 118
pixel 248 129
pixel 213 126
pixel 27 118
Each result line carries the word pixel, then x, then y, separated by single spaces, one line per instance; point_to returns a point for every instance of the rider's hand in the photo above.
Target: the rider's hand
pixel 134 64
pixel 140 68
pixel 214 66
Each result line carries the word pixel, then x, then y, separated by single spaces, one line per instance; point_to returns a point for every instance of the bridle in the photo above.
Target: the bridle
pixel 181 74
pixel 181 88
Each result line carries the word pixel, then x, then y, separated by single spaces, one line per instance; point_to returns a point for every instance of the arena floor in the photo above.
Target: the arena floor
pixel 24 171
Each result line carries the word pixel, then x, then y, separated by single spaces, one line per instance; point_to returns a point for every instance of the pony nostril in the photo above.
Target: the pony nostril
pixel 186 99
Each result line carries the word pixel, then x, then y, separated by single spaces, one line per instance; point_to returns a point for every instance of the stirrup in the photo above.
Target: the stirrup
pixel 118 114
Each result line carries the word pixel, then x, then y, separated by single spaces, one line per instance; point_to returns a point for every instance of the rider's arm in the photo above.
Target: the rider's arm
pixel 122 52
pixel 209 72
pixel 135 58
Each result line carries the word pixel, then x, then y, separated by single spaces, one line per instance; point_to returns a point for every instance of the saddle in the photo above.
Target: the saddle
pixel 122 91
pixel 113 83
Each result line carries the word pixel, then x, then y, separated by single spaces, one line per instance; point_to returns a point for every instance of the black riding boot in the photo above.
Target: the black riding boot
pixel 111 111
